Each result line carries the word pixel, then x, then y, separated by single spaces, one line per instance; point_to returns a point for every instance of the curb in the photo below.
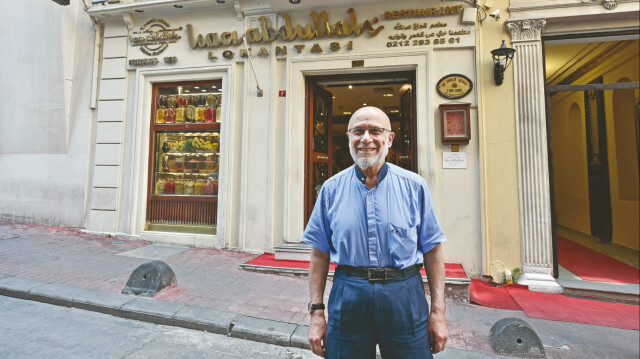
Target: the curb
pixel 157 312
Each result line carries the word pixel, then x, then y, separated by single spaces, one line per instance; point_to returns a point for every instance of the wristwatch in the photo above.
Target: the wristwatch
pixel 315 306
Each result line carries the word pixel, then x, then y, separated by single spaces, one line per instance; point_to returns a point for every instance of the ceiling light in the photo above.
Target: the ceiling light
pixel 394 111
pixel 213 87
pixel 204 90
pixel 364 104
pixel 350 86
pixel 346 113
pixel 186 90
pixel 387 95
pixel 196 87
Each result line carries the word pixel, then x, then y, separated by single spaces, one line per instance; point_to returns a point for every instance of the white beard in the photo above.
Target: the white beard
pixel 363 161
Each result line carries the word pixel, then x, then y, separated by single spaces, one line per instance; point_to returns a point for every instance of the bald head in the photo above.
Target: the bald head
pixel 370 114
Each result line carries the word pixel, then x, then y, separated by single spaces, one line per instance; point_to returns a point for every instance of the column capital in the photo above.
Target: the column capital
pixel 525 29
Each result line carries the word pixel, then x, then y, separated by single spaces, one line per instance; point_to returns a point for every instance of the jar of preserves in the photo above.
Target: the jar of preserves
pixel 160 186
pixel 208 187
pixel 201 101
pixel 218 112
pixel 162 108
pixel 210 109
pixel 169 186
pixel 179 188
pixel 198 188
pixel 190 114
pixel 188 186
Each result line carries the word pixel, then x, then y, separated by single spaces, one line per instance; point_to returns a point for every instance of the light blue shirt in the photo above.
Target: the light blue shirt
pixel 390 225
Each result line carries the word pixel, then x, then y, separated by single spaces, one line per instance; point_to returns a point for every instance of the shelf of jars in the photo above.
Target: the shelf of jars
pixel 185 109
pixel 187 164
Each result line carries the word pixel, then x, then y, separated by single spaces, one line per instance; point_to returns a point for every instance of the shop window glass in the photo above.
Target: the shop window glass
pixel 184 157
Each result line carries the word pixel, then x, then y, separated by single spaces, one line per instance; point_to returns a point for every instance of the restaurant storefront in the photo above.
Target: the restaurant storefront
pixel 217 122
pixel 232 115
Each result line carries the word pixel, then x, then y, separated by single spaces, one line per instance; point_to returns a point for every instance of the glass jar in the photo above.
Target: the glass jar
pixel 210 110
pixel 201 101
pixel 169 186
pixel 170 115
pixel 191 109
pixel 218 112
pixel 161 112
pixel 160 186
pixel 188 186
pixel 179 165
pixel 198 188
pixel 179 189
pixel 208 187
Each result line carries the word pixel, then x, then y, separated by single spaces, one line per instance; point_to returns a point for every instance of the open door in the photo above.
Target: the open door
pixel 319 143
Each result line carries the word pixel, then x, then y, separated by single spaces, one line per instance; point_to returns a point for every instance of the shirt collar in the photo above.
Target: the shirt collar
pixel 381 175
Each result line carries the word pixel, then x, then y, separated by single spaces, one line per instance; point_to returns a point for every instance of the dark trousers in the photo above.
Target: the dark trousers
pixel 393 314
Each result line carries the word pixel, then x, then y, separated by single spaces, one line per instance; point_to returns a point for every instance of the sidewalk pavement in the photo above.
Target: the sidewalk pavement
pixel 64 266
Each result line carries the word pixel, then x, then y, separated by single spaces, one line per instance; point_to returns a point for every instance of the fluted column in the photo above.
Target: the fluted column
pixel 533 169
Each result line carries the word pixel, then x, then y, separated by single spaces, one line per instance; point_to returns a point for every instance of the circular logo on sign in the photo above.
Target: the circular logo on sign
pixel 154 37
pixel 454 86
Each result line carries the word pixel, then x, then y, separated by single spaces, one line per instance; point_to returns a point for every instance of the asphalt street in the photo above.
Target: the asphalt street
pixel 36 330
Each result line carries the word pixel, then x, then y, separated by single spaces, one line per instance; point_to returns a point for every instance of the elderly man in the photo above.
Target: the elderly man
pixel 376 222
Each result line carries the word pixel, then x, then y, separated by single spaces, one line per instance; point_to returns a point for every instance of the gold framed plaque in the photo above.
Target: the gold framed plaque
pixel 454 86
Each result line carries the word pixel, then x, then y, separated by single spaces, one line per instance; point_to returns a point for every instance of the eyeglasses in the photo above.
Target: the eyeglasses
pixel 373 132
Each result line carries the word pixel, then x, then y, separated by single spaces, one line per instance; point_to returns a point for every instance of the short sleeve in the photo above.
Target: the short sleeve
pixel 430 233
pixel 318 232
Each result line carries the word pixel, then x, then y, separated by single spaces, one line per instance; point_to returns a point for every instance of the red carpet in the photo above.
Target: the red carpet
pixel 486 295
pixel 562 308
pixel 591 265
pixel 452 270
pixel 555 306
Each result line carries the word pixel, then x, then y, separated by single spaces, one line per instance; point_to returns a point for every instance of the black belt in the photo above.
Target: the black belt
pixel 380 274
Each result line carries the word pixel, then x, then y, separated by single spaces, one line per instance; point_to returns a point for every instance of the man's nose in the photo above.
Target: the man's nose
pixel 366 137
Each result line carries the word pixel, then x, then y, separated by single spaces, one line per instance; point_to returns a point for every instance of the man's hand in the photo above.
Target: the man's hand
pixel 318 270
pixel 438 332
pixel 317 332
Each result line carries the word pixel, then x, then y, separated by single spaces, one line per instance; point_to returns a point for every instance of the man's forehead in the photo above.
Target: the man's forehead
pixel 369 114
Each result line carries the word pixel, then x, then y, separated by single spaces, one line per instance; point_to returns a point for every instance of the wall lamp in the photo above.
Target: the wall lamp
pixel 502 57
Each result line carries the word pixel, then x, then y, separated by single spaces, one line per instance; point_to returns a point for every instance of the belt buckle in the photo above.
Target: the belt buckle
pixel 376 278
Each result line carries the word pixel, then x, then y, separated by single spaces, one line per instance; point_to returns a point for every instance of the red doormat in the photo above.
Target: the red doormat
pixel 555 306
pixel 591 265
pixel 452 270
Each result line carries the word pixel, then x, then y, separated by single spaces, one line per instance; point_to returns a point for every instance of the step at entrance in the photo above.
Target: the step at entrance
pixel 293 260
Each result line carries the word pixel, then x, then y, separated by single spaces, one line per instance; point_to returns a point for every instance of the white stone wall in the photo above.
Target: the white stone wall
pixel 45 114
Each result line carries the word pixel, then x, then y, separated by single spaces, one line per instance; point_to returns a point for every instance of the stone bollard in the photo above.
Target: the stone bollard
pixel 515 337
pixel 150 278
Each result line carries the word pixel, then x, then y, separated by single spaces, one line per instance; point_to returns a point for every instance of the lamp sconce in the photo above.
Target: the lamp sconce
pixel 502 58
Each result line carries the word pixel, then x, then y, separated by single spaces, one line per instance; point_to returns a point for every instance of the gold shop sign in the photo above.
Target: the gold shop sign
pixel 320 28
pixel 154 37
pixel 426 12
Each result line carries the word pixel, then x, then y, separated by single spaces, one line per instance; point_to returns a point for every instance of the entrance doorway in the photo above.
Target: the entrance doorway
pixel 330 102
pixel 593 99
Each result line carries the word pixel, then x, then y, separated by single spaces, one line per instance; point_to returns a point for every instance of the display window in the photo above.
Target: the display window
pixel 184 157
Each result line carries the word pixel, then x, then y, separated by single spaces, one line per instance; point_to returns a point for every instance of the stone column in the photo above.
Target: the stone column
pixel 533 169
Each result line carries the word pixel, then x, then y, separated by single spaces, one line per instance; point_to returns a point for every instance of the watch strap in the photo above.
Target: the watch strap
pixel 315 306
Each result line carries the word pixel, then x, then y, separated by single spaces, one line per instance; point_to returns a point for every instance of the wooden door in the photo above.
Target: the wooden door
pixel 318 144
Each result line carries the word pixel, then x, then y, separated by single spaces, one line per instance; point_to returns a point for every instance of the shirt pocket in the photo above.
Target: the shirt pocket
pixel 403 243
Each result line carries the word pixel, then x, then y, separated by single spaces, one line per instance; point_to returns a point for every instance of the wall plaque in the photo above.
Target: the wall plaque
pixel 454 86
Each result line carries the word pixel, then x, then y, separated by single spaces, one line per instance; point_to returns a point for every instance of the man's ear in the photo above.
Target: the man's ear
pixel 392 135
